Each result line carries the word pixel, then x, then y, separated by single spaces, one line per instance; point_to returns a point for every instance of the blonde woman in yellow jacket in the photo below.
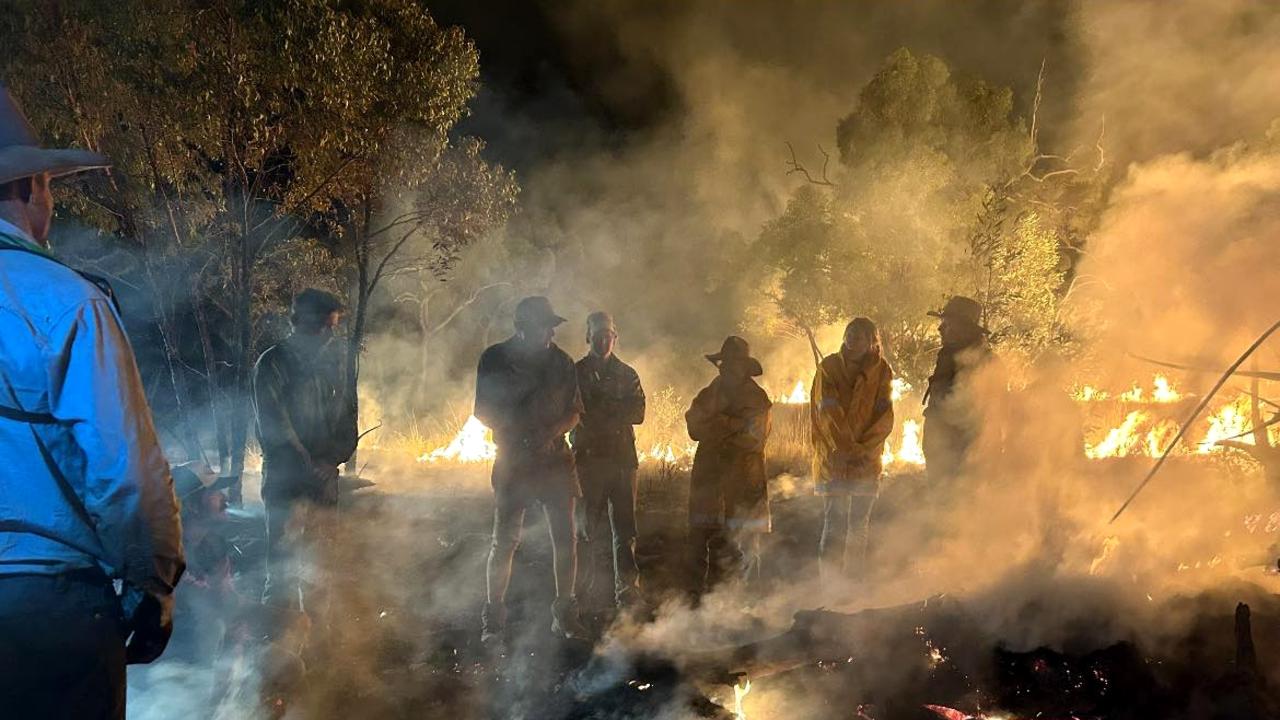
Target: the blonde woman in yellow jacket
pixel 851 411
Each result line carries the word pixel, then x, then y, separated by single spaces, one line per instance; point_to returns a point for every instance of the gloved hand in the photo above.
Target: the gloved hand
pixel 151 624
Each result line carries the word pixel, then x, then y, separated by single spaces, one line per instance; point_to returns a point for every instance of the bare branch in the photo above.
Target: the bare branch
pixel 466 304
pixel 1035 106
pixel 1102 154
pixel 795 167
pixel 395 250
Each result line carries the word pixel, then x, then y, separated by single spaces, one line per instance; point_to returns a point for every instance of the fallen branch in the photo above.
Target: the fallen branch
pixel 1259 374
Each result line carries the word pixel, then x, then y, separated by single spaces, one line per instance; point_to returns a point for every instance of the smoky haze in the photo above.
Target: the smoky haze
pixel 650 142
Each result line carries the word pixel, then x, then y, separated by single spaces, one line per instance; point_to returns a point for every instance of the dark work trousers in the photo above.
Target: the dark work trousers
pixel 297 530
pixel 61 648
pixel 945 446
pixel 281 583
pixel 296 519
pixel 846 524
pixel 609 496
pixel 717 553
pixel 509 509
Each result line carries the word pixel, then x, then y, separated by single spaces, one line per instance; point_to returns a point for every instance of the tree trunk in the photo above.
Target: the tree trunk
pixel 214 390
pixel 186 432
pixel 355 338
pixel 242 389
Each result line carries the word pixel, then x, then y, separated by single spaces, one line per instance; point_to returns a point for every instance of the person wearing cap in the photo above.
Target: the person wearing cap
pixel 851 416
pixel 527 394
pixel 604 448
pixel 948 425
pixel 306 427
pixel 728 487
pixel 86 495
pixel 207 598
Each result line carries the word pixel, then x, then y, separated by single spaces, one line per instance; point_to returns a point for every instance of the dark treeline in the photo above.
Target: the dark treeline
pixel 258 148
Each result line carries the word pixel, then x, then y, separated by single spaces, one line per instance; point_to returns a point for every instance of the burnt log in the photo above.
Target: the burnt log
pixel 903 658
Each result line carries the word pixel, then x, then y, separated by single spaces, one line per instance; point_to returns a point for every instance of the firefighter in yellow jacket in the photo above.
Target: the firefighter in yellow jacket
pixel 728 492
pixel 851 409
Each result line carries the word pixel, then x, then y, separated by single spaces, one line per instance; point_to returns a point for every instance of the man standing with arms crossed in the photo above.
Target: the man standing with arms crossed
pixel 85 492
pixel 604 445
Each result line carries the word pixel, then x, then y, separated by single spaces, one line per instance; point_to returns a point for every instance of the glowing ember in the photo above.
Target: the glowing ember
pixel 472 444
pixel 740 692
pixel 799 395
pixel 936 656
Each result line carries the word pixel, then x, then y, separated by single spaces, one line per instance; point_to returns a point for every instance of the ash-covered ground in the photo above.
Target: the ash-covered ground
pixel 993 595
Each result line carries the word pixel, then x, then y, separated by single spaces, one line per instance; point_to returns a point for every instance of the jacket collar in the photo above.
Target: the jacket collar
pixel 15 237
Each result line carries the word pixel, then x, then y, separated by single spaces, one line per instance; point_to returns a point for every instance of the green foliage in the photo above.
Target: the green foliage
pixel 257 144
pixel 1024 279
pixel 931 165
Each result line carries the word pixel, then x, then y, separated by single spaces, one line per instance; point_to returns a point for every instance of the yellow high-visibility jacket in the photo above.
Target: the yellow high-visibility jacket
pixel 851 411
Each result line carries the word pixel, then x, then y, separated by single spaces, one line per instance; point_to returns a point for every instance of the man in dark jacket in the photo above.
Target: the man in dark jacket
pixel 527 393
pixel 306 426
pixel 949 426
pixel 604 445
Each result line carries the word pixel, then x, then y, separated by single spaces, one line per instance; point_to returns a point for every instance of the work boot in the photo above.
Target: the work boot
pixel 565 622
pixel 493 620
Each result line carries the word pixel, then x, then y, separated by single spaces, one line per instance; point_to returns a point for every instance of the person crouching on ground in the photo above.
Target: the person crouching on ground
pixel 851 411
pixel 527 393
pixel 728 489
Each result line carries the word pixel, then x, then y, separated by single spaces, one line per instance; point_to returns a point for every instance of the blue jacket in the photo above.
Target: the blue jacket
pixel 87 486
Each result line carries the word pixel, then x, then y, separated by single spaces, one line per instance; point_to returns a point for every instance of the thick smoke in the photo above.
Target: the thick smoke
pixel 1180 268
pixel 1177 268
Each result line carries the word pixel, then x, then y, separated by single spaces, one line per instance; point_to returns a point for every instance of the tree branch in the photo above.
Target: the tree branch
pixel 468 303
pixel 795 167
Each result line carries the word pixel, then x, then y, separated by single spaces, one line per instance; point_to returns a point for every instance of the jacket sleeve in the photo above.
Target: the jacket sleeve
pixel 275 427
pixel 830 419
pixel 94 387
pixel 704 420
pixel 489 407
pixel 756 427
pixel 871 441
pixel 635 400
pixel 567 403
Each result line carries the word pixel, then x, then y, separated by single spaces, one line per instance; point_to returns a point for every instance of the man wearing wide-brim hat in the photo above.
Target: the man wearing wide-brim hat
pixel 728 487
pixel 85 492
pixel 949 428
